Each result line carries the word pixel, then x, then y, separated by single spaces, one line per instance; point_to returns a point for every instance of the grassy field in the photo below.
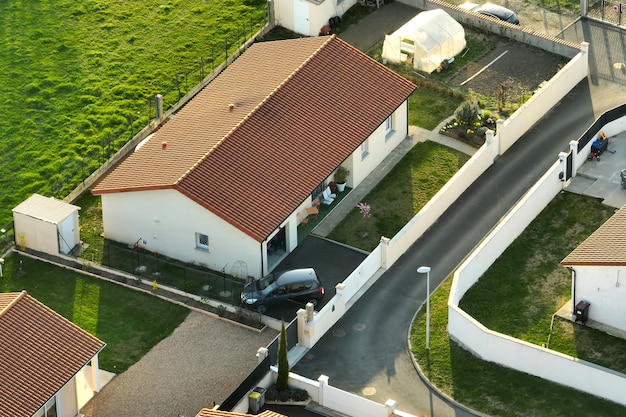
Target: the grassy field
pixel 77 79
pixel 129 322
pixel 517 296
pixel 401 194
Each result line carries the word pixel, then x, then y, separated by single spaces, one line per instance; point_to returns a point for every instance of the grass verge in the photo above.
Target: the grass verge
pixel 521 303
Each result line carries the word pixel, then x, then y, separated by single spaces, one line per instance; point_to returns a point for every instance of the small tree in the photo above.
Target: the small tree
pixel 282 382
pixel 467 114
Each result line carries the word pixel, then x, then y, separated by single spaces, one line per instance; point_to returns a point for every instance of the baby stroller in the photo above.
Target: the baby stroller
pixel 598 146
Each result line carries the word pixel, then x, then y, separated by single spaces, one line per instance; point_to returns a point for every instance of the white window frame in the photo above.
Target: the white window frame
pixel 364 149
pixel 200 239
pixel 389 126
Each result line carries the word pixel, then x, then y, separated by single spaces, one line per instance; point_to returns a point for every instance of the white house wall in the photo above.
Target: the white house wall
pixel 36 234
pixel 168 221
pixel 317 15
pixel 67 402
pixel 605 288
pixel 379 146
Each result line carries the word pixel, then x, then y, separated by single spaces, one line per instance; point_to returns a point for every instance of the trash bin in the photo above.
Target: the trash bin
pixel 261 391
pixel 254 402
pixel 582 311
pixel 623 176
pixel 256 399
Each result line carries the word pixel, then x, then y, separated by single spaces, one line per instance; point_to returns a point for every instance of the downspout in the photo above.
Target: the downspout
pixel 573 290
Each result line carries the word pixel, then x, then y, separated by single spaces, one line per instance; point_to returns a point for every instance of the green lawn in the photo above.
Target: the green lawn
pixel 129 322
pixel 400 195
pixel 517 296
pixel 77 78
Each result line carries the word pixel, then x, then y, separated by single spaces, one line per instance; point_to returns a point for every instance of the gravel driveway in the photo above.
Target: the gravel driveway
pixel 203 360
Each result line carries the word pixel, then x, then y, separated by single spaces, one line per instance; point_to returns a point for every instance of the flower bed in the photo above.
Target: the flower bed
pixel 473 132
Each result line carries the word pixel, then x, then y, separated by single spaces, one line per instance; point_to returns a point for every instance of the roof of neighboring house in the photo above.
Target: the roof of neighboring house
pixel 47 209
pixel 300 107
pixel 40 351
pixel 605 246
pixel 207 412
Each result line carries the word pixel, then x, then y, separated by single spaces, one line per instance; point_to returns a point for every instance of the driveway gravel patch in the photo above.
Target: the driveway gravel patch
pixel 202 361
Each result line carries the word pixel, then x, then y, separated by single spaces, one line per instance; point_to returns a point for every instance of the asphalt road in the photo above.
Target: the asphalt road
pixel 366 352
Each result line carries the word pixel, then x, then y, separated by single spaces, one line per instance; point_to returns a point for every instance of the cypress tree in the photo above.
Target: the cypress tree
pixel 282 382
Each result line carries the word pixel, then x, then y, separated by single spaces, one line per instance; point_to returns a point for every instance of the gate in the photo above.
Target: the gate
pixel 609 11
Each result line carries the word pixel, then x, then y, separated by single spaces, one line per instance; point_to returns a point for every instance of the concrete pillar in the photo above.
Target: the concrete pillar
pixel 95 374
pixel 384 252
pixel 323 380
pixel 563 168
pixel 492 140
pixel 310 309
pixel 301 316
pixel 340 305
pixel 261 354
pixel 573 147
pixel 391 407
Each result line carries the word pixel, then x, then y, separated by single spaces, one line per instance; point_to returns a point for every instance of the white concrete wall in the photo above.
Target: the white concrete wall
pixel 508 351
pixel 605 288
pixel 359 277
pixel 543 100
pixel 518 33
pixel 168 222
pixel 437 205
pixel 348 403
pixel 36 234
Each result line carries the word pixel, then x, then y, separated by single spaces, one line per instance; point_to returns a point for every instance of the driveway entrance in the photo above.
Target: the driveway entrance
pixel 332 261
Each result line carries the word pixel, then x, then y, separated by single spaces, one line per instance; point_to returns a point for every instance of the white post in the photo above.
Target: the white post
pixel 1 263
pixel 261 354
pixel 426 270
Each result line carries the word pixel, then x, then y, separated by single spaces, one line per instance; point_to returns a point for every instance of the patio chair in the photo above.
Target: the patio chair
pixel 302 220
pixel 327 197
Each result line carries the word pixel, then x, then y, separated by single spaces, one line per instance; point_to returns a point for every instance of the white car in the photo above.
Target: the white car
pixel 493 10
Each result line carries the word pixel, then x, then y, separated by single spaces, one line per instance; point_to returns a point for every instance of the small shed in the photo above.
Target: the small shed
pixel 425 41
pixel 46 225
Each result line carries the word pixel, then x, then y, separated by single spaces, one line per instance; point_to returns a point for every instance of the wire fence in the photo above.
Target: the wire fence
pixel 74 170
pixel 152 266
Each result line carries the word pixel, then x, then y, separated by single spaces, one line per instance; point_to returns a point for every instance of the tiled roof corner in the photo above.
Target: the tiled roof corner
pixel 40 351
pixel 605 246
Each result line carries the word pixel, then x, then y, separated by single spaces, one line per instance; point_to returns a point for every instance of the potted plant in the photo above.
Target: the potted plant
pixel 340 177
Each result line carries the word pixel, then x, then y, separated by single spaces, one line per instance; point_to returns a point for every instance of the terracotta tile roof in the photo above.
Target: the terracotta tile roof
pixel 301 107
pixel 605 246
pixel 40 351
pixel 207 412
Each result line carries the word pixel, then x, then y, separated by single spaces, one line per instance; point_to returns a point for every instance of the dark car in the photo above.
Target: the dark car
pixel 498 12
pixel 297 285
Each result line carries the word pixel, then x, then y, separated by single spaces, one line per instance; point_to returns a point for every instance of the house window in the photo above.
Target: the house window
pixel 364 150
pixel 202 241
pixel 389 126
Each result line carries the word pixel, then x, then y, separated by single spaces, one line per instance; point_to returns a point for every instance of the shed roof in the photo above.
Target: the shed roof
pixel 47 209
pixel 605 246
pixel 257 140
pixel 40 351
